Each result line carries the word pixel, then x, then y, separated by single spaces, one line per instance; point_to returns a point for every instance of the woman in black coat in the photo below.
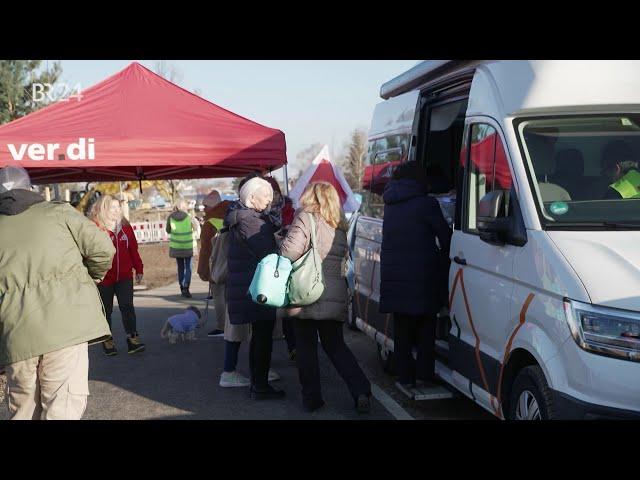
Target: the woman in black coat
pixel 252 238
pixel 413 270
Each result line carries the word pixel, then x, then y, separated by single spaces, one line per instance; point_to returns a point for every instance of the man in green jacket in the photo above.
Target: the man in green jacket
pixel 51 257
pixel 621 168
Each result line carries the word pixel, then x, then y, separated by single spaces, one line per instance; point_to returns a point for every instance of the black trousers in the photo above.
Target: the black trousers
pixel 332 340
pixel 410 330
pixel 124 291
pixel 289 334
pixel 260 348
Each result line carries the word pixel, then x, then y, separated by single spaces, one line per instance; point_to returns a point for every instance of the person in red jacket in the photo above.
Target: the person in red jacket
pixel 107 214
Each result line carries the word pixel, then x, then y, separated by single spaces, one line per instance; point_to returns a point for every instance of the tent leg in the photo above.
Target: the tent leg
pixel 286 181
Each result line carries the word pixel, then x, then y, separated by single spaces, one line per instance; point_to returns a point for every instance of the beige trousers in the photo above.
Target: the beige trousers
pixel 53 386
pixel 219 303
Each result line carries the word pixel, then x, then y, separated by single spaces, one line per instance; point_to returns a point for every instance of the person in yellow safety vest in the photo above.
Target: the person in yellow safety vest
pixel 622 170
pixel 181 228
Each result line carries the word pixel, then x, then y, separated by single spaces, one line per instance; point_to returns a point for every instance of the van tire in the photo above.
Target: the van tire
pixel 386 359
pixel 531 379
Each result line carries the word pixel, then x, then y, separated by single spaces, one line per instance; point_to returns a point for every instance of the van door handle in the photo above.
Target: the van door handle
pixel 460 261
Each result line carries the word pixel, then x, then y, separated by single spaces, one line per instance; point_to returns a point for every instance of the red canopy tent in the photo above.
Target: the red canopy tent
pixel 136 125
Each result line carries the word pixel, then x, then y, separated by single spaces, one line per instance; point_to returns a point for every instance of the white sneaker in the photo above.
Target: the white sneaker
pixel 273 375
pixel 233 379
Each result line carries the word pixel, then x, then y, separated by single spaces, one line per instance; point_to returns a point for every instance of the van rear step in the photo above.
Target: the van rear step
pixel 426 392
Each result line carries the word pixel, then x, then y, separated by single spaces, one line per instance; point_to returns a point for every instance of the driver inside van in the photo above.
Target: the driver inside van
pixel 620 167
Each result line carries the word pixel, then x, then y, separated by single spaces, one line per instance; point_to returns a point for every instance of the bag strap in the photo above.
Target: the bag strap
pixel 313 229
pixel 313 238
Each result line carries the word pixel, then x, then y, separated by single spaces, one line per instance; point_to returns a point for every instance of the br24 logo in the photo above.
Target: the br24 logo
pixel 60 92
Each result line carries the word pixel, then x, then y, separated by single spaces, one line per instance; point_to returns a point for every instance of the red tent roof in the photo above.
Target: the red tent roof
pixel 135 124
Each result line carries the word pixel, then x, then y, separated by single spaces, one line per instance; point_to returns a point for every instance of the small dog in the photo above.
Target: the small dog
pixel 182 326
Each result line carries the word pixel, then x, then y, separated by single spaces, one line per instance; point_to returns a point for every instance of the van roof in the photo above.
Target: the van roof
pixel 421 74
pixel 515 87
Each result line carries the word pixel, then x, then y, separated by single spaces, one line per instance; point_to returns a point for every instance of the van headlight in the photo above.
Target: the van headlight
pixel 604 330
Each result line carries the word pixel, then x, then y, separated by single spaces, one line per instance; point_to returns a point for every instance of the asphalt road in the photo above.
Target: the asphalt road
pixel 181 381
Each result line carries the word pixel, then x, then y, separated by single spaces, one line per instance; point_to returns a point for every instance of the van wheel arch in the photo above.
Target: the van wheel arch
pixel 518 359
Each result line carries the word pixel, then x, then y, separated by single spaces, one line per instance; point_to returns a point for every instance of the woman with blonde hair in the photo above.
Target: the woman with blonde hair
pixel 326 316
pixel 107 214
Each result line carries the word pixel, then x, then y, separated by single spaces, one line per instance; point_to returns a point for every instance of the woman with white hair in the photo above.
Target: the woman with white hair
pixel 252 238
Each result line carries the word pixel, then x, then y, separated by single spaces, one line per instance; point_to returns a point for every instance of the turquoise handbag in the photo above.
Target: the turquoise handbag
pixel 270 280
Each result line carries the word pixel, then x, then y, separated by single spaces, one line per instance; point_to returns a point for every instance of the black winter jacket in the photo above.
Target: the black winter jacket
pixel 252 238
pixel 413 271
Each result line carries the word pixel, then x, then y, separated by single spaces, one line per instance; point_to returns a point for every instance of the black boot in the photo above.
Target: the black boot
pixel 187 293
pixel 265 393
pixel 312 405
pixel 363 404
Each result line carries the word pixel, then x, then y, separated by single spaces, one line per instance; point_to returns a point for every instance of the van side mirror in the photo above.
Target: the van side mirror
pixel 492 221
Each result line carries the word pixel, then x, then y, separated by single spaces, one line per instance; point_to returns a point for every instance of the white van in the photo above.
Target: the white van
pixel 544 285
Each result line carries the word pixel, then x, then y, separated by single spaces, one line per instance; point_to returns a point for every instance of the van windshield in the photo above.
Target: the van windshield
pixel 584 170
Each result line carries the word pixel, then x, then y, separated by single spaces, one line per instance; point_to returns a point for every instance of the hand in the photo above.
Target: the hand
pixel 138 277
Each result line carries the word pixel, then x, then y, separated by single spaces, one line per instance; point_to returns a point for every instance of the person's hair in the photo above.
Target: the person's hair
pixel 618 152
pixel 411 170
pixel 254 187
pixel 100 209
pixel 247 178
pixel 322 198
pixel 274 184
pixel 196 310
pixel 181 204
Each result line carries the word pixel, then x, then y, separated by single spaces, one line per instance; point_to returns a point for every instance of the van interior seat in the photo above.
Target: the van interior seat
pixel 544 169
pixel 553 193
pixel 569 173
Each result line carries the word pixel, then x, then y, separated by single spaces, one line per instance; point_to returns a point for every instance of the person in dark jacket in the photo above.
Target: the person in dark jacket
pixel 411 270
pixel 107 214
pixel 252 238
pixel 281 214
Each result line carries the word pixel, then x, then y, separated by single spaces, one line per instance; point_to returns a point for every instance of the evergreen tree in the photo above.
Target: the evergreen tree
pixel 17 78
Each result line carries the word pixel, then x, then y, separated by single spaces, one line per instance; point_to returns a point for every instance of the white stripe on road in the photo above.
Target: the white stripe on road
pixel 390 404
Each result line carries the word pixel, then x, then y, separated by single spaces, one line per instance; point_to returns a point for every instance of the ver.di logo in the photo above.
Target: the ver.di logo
pixel 83 149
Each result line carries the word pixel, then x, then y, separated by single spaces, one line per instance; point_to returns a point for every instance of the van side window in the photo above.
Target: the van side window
pixel 488 169
pixel 384 154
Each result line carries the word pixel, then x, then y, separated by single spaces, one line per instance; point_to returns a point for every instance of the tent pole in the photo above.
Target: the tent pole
pixel 286 181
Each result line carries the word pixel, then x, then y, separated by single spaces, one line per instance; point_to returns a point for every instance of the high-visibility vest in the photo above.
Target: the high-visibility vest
pixel 181 236
pixel 629 185
pixel 216 222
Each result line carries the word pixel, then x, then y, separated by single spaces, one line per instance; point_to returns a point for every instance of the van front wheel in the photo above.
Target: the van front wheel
pixel 531 397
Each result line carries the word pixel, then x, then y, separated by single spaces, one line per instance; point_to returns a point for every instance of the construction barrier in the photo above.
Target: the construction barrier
pixel 147 232
pixel 151 232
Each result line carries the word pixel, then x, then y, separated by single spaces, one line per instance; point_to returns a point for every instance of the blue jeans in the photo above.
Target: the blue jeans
pixel 184 272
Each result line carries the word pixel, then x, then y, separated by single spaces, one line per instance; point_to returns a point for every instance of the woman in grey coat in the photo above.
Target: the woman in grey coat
pixel 326 316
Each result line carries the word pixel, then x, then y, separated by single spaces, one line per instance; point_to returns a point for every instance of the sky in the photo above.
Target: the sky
pixel 311 101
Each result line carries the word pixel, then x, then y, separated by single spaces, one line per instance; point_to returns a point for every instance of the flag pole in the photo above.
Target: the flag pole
pixel 286 181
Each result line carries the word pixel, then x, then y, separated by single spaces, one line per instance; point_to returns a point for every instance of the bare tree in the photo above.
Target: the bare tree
pixel 306 156
pixel 168 71
pixel 354 159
